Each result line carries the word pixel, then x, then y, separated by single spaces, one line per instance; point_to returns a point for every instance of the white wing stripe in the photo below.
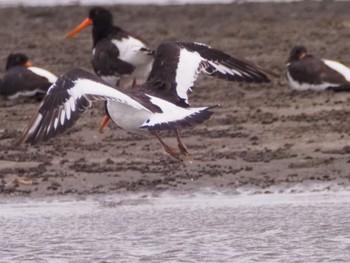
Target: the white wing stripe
pixel 89 87
pixel 223 69
pixel 72 104
pixel 55 124
pixel 342 69
pixel 171 112
pixel 62 115
pixel 44 73
pixel 186 72
pixel 67 109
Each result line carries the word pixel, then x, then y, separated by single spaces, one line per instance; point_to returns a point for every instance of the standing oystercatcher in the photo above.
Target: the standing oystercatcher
pixel 307 72
pixel 22 79
pixel 118 57
pixel 159 104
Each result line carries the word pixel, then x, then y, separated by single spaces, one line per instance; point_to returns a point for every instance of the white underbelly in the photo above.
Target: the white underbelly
pixel 308 86
pixel 127 117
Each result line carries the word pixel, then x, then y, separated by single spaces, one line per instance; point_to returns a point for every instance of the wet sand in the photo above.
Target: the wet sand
pixel 261 136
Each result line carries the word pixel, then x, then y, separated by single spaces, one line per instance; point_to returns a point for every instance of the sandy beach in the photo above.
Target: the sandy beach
pixel 261 136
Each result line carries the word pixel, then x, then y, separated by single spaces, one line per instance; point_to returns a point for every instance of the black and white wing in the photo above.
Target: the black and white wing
pixel 66 100
pixel 177 65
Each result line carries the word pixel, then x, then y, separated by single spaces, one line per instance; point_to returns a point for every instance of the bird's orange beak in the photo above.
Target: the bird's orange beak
pixel 104 123
pixel 28 64
pixel 80 27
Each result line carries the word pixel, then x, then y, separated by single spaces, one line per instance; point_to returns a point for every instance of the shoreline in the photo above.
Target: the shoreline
pixel 144 197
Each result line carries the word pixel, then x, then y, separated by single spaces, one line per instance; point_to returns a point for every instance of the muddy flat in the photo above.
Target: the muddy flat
pixel 261 136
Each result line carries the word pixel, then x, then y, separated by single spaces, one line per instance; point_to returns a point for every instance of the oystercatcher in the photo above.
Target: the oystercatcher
pixel 177 66
pixel 22 79
pixel 159 104
pixel 118 56
pixel 308 72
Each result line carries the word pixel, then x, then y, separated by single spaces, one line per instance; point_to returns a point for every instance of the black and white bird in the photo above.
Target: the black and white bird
pixel 22 79
pixel 308 72
pixel 159 104
pixel 118 56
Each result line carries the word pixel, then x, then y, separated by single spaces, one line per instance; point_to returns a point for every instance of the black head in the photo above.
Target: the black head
pixel 297 53
pixel 100 16
pixel 16 59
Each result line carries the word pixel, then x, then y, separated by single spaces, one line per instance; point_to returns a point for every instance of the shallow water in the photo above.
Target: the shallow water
pixel 202 228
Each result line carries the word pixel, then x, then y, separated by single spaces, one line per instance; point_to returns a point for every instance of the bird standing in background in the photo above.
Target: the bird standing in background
pixel 22 79
pixel 118 56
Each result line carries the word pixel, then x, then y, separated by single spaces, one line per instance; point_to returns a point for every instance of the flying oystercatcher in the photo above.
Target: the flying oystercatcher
pixel 22 79
pixel 308 72
pixel 118 56
pixel 159 104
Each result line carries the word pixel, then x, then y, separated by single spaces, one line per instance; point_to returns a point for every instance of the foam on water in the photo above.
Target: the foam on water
pixel 305 186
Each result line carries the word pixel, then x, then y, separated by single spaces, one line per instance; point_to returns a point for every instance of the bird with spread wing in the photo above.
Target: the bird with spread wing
pixel 159 104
